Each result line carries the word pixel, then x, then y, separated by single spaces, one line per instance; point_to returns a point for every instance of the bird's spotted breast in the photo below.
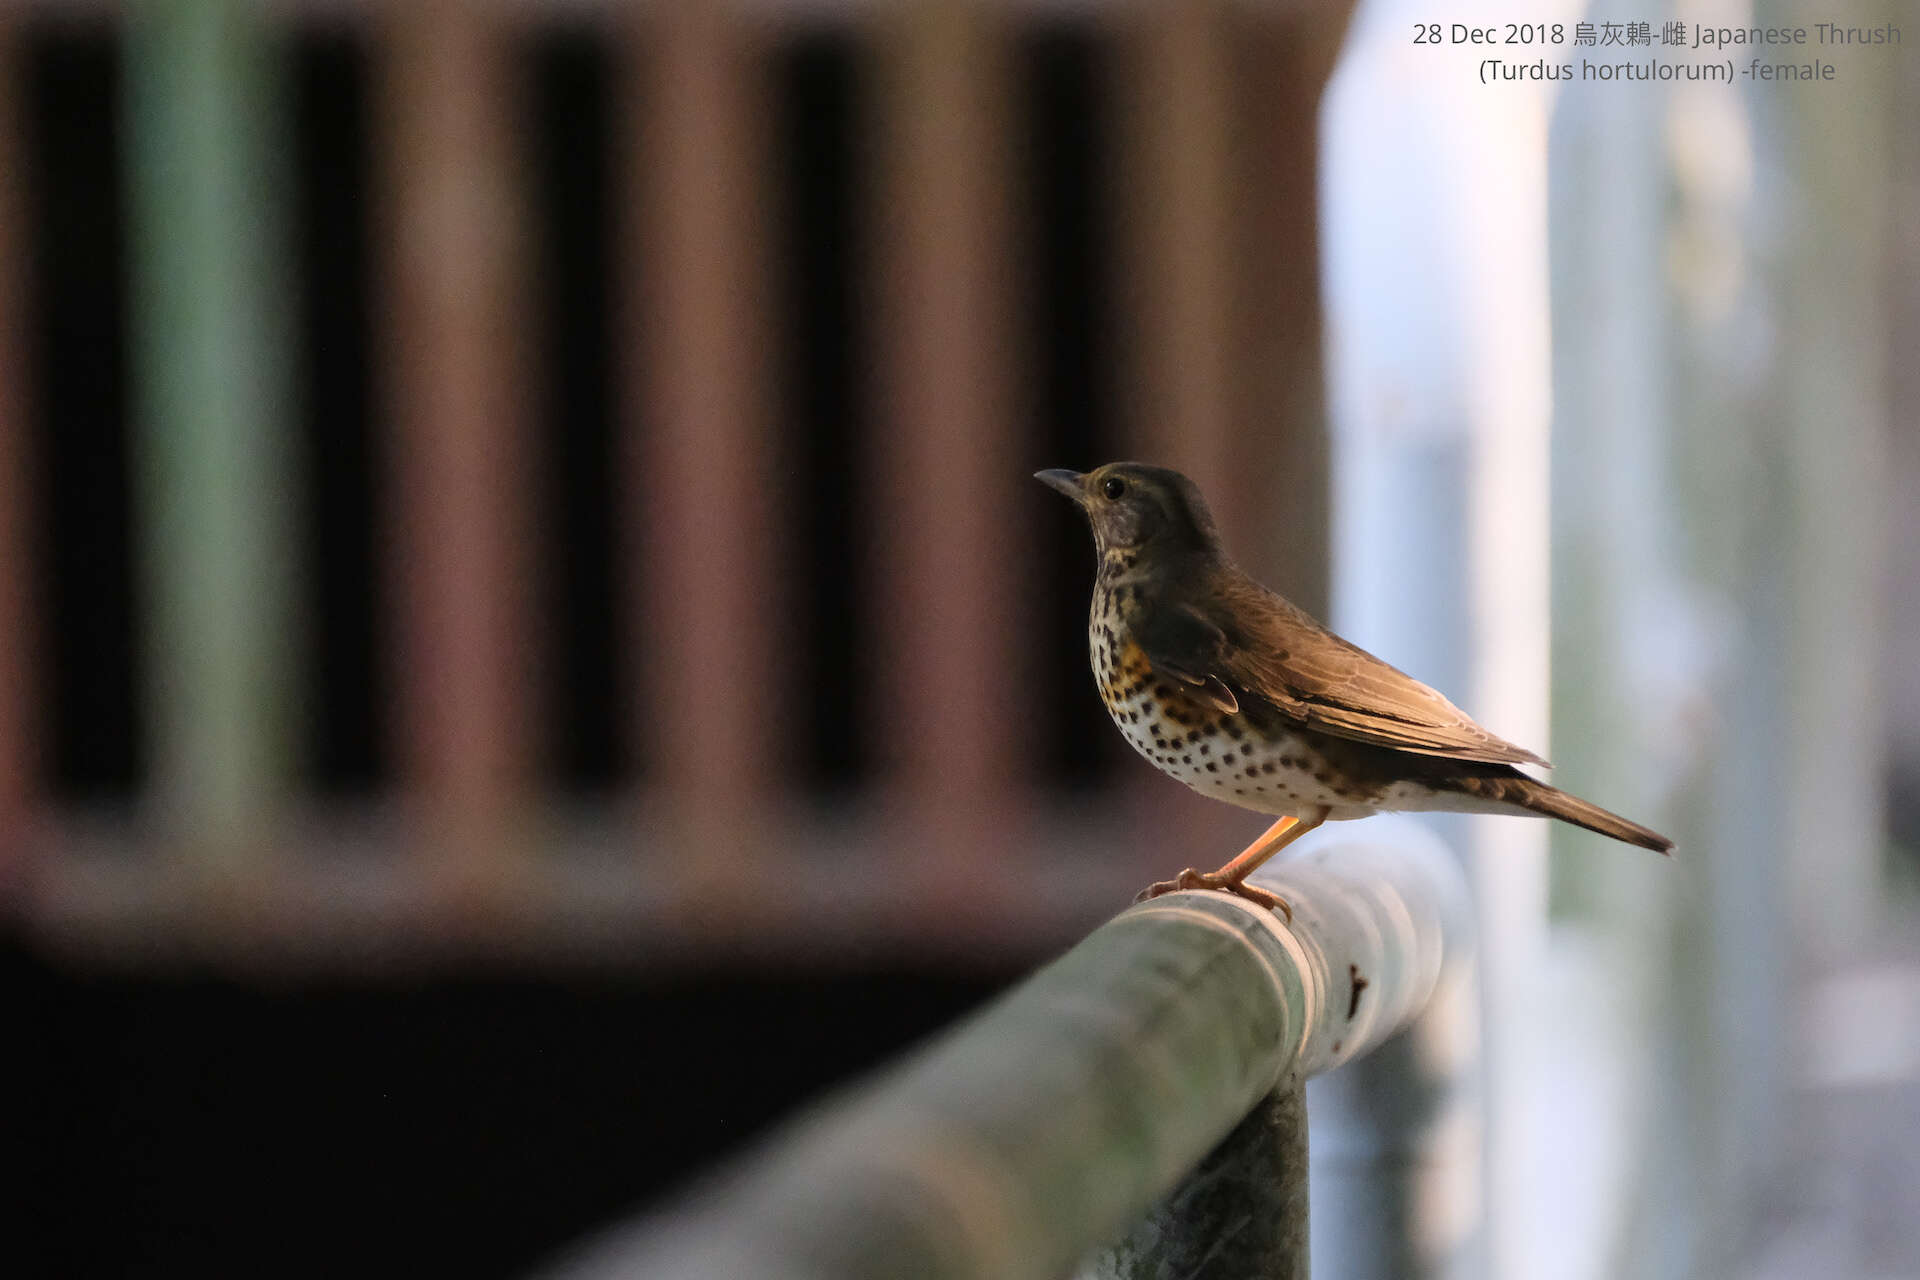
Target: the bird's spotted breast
pixel 1225 756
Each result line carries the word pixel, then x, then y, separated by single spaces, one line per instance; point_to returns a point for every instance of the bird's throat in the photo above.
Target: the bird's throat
pixel 1119 593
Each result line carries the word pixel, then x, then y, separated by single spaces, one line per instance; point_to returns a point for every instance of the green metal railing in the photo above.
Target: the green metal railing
pixel 1070 1124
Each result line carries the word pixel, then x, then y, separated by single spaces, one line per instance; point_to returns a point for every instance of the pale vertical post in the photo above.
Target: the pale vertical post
pixel 214 486
pixel 1831 298
pixel 1781 206
pixel 704 486
pixel 1626 628
pixel 1723 1008
pixel 1396 1153
pixel 1435 260
pixel 457 473
pixel 951 501
pixel 1723 1081
pixel 1832 156
pixel 1621 611
pixel 1398 1142
pixel 18 641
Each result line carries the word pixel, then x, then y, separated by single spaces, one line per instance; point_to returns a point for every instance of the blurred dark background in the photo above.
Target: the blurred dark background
pixel 458 1123
pixel 409 866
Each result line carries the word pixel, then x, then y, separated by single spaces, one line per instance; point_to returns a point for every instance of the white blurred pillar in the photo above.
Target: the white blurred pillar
pixel 1833 166
pixel 1630 653
pixel 1433 218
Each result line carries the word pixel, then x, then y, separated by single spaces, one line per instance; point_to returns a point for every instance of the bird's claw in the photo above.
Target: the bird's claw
pixel 1194 879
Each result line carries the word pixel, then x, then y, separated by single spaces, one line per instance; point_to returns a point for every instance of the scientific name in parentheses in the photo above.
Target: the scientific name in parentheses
pixel 1492 69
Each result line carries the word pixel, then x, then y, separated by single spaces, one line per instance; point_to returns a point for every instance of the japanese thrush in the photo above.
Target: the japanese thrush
pixel 1245 698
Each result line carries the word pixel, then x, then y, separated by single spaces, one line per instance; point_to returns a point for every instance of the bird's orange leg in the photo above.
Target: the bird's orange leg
pixel 1232 878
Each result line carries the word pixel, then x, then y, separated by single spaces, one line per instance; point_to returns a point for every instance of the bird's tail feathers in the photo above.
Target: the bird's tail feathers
pixel 1538 797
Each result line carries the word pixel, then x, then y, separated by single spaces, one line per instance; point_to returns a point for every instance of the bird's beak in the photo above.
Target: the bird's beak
pixel 1071 483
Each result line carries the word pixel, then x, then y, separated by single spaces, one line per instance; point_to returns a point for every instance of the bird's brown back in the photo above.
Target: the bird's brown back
pixel 1211 620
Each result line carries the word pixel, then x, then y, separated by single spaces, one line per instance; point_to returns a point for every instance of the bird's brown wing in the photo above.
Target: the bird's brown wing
pixel 1252 642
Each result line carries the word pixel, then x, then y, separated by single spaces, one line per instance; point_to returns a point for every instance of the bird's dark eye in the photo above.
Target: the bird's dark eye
pixel 1113 488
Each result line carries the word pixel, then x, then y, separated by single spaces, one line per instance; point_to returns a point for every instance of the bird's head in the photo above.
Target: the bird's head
pixel 1132 506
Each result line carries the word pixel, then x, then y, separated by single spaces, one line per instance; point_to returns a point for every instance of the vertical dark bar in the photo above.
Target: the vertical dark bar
pixel 346 695
pixel 77 301
pixel 568 157
pixel 18 639
pixel 1068 186
pixel 824 340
